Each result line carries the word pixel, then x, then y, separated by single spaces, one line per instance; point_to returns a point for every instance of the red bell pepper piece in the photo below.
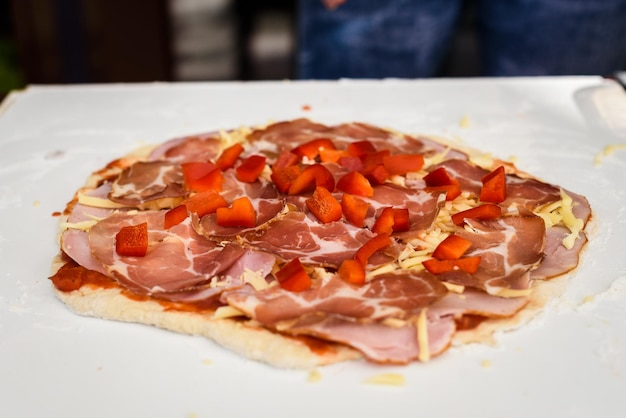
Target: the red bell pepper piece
pixel 250 169
pixel 324 206
pixel 240 214
pixel 202 176
pixel 311 149
pixel 229 157
pixel 332 155
pixel 486 211
pixel 132 241
pixel 284 177
pixel 451 248
pixel 285 159
pixel 175 216
pixel 494 186
pixel 360 148
pixel 205 203
pixel 311 177
pixel 467 264
pixel 293 277
pixel 352 271
pixel 403 163
pixel 354 209
pixel 377 243
pixel 355 183
pixel 391 220
pixel 440 180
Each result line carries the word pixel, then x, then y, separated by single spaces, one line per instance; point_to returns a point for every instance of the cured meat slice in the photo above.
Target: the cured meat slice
pixel 423 206
pixel 147 181
pixel 386 295
pixel 295 234
pixel 474 302
pixel 509 248
pixel 558 259
pixel 202 147
pixel 382 343
pixel 178 258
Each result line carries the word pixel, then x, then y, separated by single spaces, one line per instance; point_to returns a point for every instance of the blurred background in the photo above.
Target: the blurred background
pixel 100 41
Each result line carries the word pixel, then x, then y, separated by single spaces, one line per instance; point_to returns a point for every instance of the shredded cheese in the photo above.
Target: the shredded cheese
pixel 422 336
pixel 390 379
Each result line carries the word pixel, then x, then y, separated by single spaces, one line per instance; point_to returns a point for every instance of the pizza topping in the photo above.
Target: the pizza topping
pixel 377 243
pixel 312 149
pixel 202 176
pixel 467 264
pixel 403 163
pixel 175 216
pixel 355 183
pixel 494 186
pixel 132 240
pixel 293 277
pixel 354 209
pixel 241 213
pixel 229 156
pixel 205 203
pixel 352 271
pixel 251 168
pixel 440 180
pixel 324 206
pixel 451 248
pixel 145 182
pixel 486 211
pixel 312 176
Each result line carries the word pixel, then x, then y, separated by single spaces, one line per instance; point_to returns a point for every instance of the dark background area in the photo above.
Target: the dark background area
pixel 103 41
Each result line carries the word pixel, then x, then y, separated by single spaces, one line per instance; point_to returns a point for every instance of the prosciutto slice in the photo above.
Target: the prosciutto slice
pixel 147 181
pixel 509 248
pixel 178 259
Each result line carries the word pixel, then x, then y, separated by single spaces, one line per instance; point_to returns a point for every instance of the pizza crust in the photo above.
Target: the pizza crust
pixel 242 337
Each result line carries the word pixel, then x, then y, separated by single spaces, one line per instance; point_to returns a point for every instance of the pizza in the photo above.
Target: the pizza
pixel 301 244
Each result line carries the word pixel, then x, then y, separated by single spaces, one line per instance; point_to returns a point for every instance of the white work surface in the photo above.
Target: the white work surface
pixel 568 362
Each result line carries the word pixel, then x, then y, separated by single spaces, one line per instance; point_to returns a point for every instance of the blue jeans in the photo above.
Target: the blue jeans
pixel 409 38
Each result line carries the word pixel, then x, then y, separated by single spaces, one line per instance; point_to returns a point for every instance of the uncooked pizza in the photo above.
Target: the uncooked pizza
pixel 301 244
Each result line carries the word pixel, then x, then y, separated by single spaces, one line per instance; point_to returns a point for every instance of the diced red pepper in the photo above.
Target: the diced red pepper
pixel 486 211
pixel 311 177
pixel 440 180
pixel 354 209
pixel 324 206
pixel 332 155
pixel 355 183
pixel 377 175
pixel 285 159
pixel 293 277
pixel 403 163
pixel 205 203
pixel 439 177
pixel 452 247
pixel 377 243
pixel 240 214
pixel 284 177
pixel 360 148
pixel 175 216
pixel 250 169
pixel 467 264
pixel 352 271
pixel 311 149
pixel 494 186
pixel 202 176
pixel 229 157
pixel 371 160
pixel 132 241
pixel 391 220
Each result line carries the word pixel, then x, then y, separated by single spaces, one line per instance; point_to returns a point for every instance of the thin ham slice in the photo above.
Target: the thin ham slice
pixel 147 181
pixel 178 258
pixel 381 343
pixel 509 248
pixel 391 294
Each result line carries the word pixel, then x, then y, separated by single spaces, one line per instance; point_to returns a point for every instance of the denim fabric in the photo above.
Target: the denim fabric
pixel 409 38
